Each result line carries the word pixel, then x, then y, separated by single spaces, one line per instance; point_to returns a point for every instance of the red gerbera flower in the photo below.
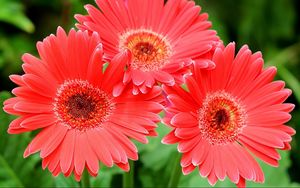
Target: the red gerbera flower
pixel 67 94
pixel 163 39
pixel 227 115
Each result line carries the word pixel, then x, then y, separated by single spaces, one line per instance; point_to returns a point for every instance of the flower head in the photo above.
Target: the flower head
pixel 228 115
pixel 164 39
pixel 68 94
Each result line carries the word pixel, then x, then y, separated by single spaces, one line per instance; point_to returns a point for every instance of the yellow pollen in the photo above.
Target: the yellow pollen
pixel 150 50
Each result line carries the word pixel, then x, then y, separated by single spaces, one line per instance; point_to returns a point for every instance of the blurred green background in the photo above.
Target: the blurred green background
pixel 270 26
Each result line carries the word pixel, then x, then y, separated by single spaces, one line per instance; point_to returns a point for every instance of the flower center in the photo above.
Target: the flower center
pixel 80 105
pixel 221 118
pixel 150 50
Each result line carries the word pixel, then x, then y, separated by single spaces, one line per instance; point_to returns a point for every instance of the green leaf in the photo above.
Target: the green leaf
pixel 8 176
pixel 152 155
pixel 156 160
pixel 283 61
pixel 291 81
pixel 61 181
pixel 12 12
pixel 105 176
pixel 11 50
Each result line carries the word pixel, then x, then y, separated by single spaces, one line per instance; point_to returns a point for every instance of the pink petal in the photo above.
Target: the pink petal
pixel 99 147
pixel 67 154
pixel 187 170
pixel 184 120
pixel 164 77
pixel 38 121
pixel 170 138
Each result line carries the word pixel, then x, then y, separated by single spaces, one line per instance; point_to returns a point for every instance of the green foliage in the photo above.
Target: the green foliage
pixel 105 177
pixel 61 181
pixel 12 12
pixel 287 62
pixel 255 30
pixel 11 50
pixel 157 160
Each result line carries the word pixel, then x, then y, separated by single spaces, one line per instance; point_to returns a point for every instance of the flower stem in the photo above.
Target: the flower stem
pixel 176 172
pixel 85 181
pixel 128 177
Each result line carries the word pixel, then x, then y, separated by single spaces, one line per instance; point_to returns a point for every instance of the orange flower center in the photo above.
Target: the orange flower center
pixel 80 105
pixel 150 50
pixel 221 118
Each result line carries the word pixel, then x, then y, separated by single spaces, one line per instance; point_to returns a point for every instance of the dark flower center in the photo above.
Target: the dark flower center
pixel 145 48
pixel 80 105
pixel 221 118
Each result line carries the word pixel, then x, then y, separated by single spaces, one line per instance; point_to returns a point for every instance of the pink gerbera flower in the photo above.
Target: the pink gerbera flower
pixel 228 115
pixel 67 94
pixel 164 39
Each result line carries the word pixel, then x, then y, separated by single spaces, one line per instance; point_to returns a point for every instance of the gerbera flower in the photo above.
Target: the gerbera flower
pixel 67 94
pixel 164 39
pixel 228 115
